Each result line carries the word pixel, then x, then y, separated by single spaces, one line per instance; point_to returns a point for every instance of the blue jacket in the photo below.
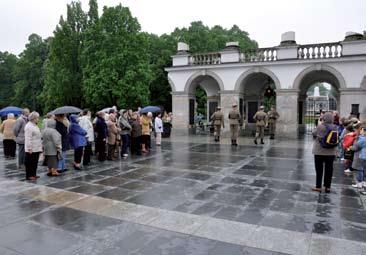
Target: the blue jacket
pixel 77 135
pixel 361 144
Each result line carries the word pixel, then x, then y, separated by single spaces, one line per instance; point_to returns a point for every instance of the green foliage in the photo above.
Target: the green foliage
pixel 63 71
pixel 8 63
pixel 99 61
pixel 201 100
pixel 115 61
pixel 29 73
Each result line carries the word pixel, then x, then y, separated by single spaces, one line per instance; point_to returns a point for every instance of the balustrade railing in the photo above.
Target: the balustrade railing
pixel 259 55
pixel 320 51
pixel 205 59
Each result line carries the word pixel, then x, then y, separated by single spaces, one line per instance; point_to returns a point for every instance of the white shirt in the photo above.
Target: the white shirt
pixel 158 125
pixel 86 124
pixel 33 138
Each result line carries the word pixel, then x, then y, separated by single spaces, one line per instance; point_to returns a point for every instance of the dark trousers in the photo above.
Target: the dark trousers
pixel 136 145
pixel 324 164
pixel 87 153
pixel 111 150
pixel 78 154
pixel 125 144
pixel 100 148
pixel 31 163
pixel 21 155
pixel 9 148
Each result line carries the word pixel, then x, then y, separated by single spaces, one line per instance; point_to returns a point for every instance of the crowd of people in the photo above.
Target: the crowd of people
pixel 113 134
pixel 343 138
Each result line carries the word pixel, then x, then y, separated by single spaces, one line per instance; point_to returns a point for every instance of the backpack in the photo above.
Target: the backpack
pixel 348 140
pixel 331 139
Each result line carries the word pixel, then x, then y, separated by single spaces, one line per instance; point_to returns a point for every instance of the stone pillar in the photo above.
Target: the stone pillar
pixel 227 98
pixel 287 107
pixel 352 96
pixel 180 105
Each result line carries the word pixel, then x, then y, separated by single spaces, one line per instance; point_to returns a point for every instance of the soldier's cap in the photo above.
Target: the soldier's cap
pixel 363 123
pixel 218 107
pixel 235 104
pixel 261 107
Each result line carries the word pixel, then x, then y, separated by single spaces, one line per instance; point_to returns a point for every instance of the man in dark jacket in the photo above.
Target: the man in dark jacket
pixel 18 131
pixel 101 130
pixel 62 126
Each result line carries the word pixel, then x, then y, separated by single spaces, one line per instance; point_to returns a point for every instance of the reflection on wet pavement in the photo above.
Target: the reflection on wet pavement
pixel 264 186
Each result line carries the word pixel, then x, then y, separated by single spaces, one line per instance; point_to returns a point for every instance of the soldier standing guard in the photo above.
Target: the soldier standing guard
pixel 217 119
pixel 272 119
pixel 261 122
pixel 235 121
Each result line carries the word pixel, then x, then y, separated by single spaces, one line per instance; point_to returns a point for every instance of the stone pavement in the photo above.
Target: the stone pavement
pixel 190 196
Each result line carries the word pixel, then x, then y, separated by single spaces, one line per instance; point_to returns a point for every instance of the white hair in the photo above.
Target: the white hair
pixel 10 116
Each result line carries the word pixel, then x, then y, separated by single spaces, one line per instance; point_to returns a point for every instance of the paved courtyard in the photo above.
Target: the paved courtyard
pixel 190 196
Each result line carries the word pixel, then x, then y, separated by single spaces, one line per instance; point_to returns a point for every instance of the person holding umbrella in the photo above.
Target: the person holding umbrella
pixel 9 138
pixel 19 136
pixel 77 137
pixel 145 125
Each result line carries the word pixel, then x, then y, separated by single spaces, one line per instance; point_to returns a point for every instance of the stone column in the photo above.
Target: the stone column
pixel 180 105
pixel 352 96
pixel 227 98
pixel 287 107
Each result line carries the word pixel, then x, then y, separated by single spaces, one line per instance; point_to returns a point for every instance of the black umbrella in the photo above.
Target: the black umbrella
pixel 66 110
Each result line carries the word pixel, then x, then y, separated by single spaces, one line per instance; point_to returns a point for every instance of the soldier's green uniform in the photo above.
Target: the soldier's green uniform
pixel 272 119
pixel 217 119
pixel 261 122
pixel 234 121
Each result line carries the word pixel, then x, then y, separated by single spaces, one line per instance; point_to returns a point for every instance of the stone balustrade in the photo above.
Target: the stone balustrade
pixel 205 59
pixel 259 55
pixel 319 51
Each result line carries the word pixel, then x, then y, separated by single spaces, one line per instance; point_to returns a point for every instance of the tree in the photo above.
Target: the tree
pixel 63 74
pixel 29 73
pixel 93 15
pixel 8 63
pixel 115 61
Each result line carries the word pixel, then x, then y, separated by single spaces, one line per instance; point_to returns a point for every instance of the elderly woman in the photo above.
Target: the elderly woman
pixel 32 146
pixel 77 137
pixel 51 146
pixel 86 124
pixel 125 130
pixel 112 136
pixel 323 157
pixel 145 122
pixel 9 138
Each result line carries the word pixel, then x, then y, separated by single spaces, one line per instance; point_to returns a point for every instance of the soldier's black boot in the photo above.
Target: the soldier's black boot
pixel 272 137
pixel 232 142
pixel 218 139
pixel 235 143
pixel 255 141
pixel 262 142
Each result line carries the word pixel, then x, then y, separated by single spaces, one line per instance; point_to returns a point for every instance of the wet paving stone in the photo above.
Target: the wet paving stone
pixel 266 186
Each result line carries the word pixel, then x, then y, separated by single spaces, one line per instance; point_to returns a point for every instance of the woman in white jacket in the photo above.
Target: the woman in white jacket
pixel 32 146
pixel 158 129
pixel 86 124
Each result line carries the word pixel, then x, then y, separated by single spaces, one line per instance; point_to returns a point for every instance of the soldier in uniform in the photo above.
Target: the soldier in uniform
pixel 272 119
pixel 261 122
pixel 217 119
pixel 235 121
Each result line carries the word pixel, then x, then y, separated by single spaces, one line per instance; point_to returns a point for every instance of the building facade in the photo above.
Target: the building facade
pixel 277 76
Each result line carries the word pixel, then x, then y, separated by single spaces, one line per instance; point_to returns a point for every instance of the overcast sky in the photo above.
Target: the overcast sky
pixel 313 20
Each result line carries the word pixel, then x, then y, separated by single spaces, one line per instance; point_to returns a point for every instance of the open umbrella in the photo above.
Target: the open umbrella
pixel 10 109
pixel 150 109
pixel 106 110
pixel 66 110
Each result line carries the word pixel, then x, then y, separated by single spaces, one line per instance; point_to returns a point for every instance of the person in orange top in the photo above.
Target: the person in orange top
pixel 9 138
pixel 145 121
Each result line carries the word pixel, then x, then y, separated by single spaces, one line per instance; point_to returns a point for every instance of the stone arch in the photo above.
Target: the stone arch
pixel 319 67
pixel 246 74
pixel 203 73
pixel 172 85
